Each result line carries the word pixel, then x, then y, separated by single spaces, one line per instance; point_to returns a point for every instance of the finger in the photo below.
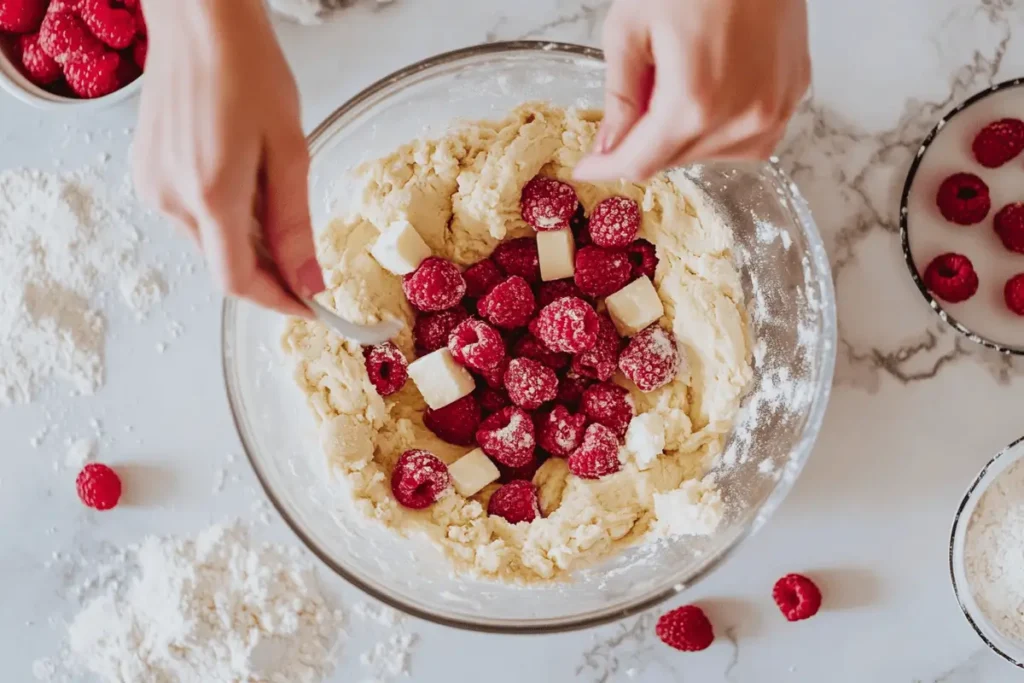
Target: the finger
pixel 757 147
pixel 629 79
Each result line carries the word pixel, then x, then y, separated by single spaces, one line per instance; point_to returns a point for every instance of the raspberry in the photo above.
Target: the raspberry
pixel 1013 292
pixel 951 277
pixel 571 388
pixel 568 325
pixel 614 222
pixel 481 278
pixel 600 272
pixel 651 358
pixel 1009 224
pixel 115 26
pixel 610 405
pixel 508 436
pixel 510 304
pixel 515 502
pixel 455 423
pixel 530 347
pixel 529 383
pixel 797 597
pixel 495 377
pixel 39 66
pixel 386 367
pixel 63 35
pixel 579 224
pixel 685 628
pixel 98 486
pixel 435 286
pixel 139 52
pixel 599 361
pixel 419 479
pixel 548 204
pixel 998 142
pixel 21 16
pixel 548 292
pixel 92 76
pixel 140 19
pixel 64 6
pixel 963 199
pixel 644 259
pixel 598 454
pixel 492 400
pixel 524 472
pixel 432 330
pixel 519 257
pixel 476 345
pixel 560 432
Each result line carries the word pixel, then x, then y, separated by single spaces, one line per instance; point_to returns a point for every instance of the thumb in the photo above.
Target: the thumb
pixel 629 79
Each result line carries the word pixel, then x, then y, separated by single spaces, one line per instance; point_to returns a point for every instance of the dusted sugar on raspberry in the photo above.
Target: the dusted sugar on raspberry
pixel 509 305
pixel 92 76
pixel 515 502
pixel 998 142
pixel 519 257
pixel 600 272
pixel 598 454
pixel 436 285
pixel 610 405
pixel 685 628
pixel 62 35
pixel 419 479
pixel 797 597
pixel 387 368
pixel 1009 225
pixel 457 422
pixel 951 277
pixel 530 384
pixel 1013 294
pixel 508 437
pixel 571 388
pixel 548 292
pixel 614 222
pixel 568 325
pixel 599 361
pixel 21 16
pixel 492 400
pixel 481 278
pixel 40 68
pixel 963 198
pixel 530 347
pixel 651 358
pixel 431 331
pixel 476 345
pixel 644 259
pixel 548 204
pixel 115 26
pixel 495 377
pixel 560 432
pixel 98 486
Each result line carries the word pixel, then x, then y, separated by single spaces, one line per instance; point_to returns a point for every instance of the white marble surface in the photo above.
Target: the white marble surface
pixel 916 411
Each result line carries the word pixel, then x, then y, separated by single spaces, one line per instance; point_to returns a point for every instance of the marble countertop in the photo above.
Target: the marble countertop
pixel 916 411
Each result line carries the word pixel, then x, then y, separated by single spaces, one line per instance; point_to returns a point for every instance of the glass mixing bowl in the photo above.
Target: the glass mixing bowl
pixel 791 304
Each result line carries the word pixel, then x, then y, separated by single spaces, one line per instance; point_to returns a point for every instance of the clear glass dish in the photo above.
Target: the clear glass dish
pixel 786 279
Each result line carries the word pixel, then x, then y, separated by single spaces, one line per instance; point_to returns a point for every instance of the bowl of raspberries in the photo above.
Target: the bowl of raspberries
pixel 56 53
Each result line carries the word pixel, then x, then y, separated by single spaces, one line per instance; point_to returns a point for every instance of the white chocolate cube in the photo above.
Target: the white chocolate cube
pixel 645 439
pixel 635 306
pixel 557 250
pixel 472 472
pixel 400 249
pixel 440 379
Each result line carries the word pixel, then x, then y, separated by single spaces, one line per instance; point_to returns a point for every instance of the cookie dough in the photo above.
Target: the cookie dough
pixel 461 192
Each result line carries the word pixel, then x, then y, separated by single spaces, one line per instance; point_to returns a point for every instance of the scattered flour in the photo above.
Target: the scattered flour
pixel 388 659
pixel 80 452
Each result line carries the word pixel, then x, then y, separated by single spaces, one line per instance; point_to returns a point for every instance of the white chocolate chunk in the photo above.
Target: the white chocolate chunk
pixel 557 251
pixel 472 472
pixel 645 439
pixel 440 379
pixel 635 306
pixel 400 249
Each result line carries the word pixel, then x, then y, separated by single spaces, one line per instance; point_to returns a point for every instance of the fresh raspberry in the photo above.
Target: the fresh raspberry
pixel 598 455
pixel 508 436
pixel 115 26
pixel 614 222
pixel 571 388
pixel 548 292
pixel 21 16
pixel 386 367
pixel 797 597
pixel 140 18
pixel 455 423
pixel 644 259
pixel 1009 224
pixel 92 76
pixel 495 377
pixel 523 472
pixel 62 35
pixel 599 361
pixel 139 52
pixel 530 347
pixel 650 358
pixel 436 285
pixel 998 142
pixel 685 628
pixel 492 400
pixel 548 204
pixel 419 479
pixel 560 432
pixel 580 226
pixel 432 330
pixel 98 486
pixel 529 383
pixel 519 257
pixel 64 6
pixel 568 325
pixel 481 278
pixel 963 199
pixel 509 305
pixel 1013 292
pixel 600 272
pixel 610 405
pixel 951 277
pixel 39 66
pixel 476 345
pixel 515 502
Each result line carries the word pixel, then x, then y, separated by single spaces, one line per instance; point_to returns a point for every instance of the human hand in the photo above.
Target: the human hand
pixel 220 149
pixel 697 80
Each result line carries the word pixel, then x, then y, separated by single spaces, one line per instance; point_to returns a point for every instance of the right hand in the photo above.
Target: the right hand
pixel 220 149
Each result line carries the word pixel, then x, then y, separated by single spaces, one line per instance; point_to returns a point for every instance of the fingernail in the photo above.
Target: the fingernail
pixel 311 278
pixel 609 136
